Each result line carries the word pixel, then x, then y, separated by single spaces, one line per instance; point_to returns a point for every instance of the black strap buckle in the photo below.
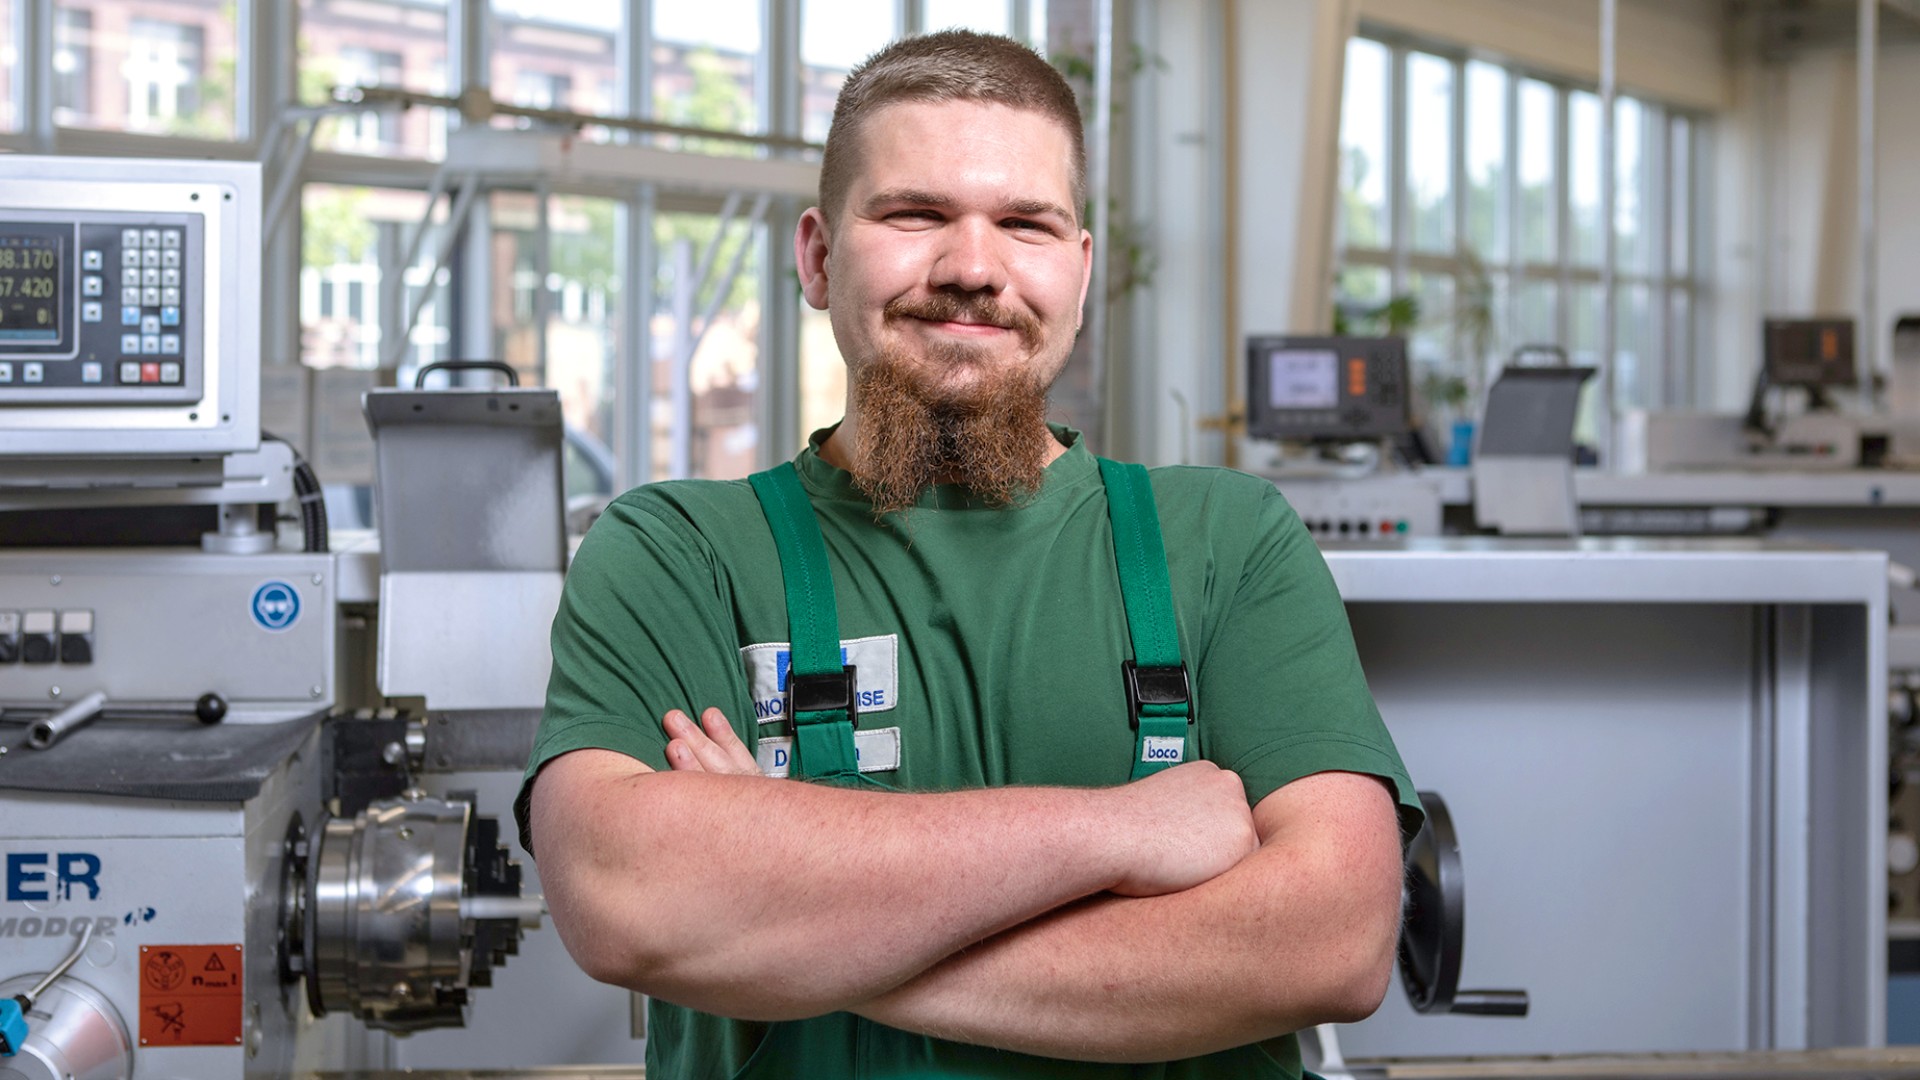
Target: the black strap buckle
pixel 1156 686
pixel 832 692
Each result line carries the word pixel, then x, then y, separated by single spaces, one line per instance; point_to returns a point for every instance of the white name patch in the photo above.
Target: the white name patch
pixel 876 660
pixel 1163 748
pixel 877 750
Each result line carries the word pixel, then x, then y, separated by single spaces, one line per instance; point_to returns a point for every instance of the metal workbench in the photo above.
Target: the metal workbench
pixel 1667 764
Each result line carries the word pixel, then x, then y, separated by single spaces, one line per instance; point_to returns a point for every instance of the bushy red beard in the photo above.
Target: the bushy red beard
pixel 990 438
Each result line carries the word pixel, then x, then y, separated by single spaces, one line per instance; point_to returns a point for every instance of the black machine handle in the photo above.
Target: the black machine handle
pixel 1490 1002
pixel 513 377
pixel 1433 933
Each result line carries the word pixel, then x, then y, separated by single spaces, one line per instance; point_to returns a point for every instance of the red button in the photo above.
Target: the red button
pixel 150 372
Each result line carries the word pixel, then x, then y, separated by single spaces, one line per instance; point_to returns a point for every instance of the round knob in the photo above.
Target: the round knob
pixel 211 708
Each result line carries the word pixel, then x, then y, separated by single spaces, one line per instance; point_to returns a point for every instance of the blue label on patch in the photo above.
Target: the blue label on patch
pixel 275 605
pixel 783 660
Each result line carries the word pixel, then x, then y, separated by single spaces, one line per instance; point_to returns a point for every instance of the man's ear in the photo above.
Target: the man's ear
pixel 810 242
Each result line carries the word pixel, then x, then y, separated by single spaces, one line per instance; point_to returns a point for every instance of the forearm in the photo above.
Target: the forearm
pixel 1293 936
pixel 766 899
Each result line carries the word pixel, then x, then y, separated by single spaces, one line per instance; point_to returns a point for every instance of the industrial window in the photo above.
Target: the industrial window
pixel 1474 188
pixel 73 66
pixel 148 69
pixel 400 44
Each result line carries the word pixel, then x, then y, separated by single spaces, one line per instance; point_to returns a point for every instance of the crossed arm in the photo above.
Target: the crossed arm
pixel 1147 922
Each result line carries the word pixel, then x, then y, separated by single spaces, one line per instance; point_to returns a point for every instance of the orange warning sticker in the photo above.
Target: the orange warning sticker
pixel 190 995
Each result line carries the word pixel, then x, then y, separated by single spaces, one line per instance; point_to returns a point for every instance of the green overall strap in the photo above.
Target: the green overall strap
pixel 1159 695
pixel 820 688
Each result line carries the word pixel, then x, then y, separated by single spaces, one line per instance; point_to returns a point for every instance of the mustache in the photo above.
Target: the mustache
pixel 973 307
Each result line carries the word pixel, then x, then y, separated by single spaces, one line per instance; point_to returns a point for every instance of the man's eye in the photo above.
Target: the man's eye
pixel 914 215
pixel 1023 224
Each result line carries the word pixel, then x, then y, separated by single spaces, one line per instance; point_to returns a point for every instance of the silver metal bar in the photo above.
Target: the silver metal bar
pixel 1609 200
pixel 288 180
pixel 418 238
pixel 43 734
pixel 1099 185
pixel 1867 339
pixel 680 439
pixel 634 421
pixel 526 910
pixel 482 107
pixel 462 200
pixel 725 221
pixel 754 217
pixel 61 968
pixel 37 31
pixel 542 270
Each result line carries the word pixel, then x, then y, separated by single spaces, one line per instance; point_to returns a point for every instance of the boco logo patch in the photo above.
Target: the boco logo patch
pixel 875 659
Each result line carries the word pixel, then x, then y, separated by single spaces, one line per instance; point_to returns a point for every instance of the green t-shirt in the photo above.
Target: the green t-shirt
pixel 988 642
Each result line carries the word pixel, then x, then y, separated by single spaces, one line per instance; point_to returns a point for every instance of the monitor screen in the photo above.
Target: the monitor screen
pixel 31 269
pixel 1809 352
pixel 1326 387
pixel 1303 379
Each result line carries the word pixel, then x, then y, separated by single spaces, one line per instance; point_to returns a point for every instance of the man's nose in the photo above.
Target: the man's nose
pixel 970 258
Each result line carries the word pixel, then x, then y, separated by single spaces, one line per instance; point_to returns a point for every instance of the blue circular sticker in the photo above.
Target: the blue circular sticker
pixel 275 605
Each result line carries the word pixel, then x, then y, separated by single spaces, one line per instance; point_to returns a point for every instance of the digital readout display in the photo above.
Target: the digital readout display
pixel 1303 379
pixel 30 276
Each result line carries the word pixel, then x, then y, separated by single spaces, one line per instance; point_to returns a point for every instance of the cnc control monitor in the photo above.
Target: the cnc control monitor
pixel 129 307
pixel 1326 387
pixel 101 304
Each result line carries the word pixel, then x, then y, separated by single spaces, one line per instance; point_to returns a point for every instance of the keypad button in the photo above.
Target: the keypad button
pixel 170 238
pixel 150 276
pixel 150 297
pixel 170 257
pixel 150 257
pixel 130 371
pixel 130 257
pixel 6 372
pixel 150 372
pixel 150 238
pixel 91 311
pixel 129 238
pixel 130 315
pixel 92 285
pixel 170 277
pixel 170 297
pixel 91 259
pixel 32 371
pixel 90 372
pixel 170 373
pixel 149 344
pixel 130 295
pixel 150 324
pixel 170 316
pixel 170 344
pixel 130 344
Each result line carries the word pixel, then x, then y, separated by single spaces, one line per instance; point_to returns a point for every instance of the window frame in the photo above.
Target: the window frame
pixel 1675 381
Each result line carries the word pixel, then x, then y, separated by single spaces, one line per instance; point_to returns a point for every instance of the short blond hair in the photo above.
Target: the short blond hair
pixel 952 65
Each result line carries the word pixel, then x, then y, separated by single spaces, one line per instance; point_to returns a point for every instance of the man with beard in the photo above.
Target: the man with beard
pixel 990 779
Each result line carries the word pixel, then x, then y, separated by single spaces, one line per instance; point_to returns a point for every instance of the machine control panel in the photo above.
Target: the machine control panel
pixel 99 306
pixel 1327 388
pixel 129 319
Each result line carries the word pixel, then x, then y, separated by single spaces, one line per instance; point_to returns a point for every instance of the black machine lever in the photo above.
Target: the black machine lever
pixel 1433 932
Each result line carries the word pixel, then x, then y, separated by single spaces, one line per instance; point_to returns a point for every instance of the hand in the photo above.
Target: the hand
pixel 1186 825
pixel 710 746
